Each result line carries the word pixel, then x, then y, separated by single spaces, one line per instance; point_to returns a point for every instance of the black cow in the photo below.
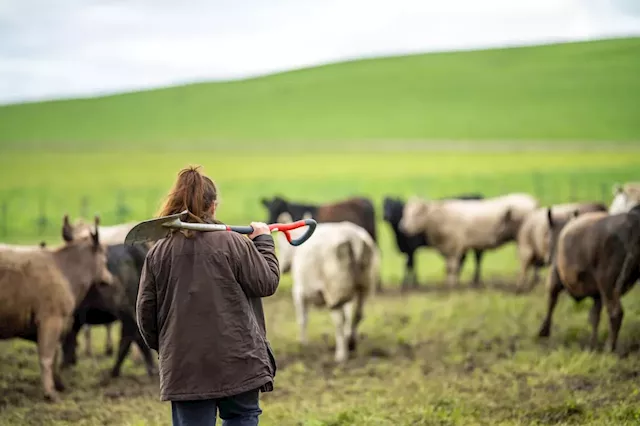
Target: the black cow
pixel 392 213
pixel 104 305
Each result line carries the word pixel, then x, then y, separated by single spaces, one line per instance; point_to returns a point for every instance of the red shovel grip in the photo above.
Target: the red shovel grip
pixel 286 227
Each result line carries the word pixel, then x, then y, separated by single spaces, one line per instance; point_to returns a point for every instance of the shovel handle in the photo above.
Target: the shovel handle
pixel 285 228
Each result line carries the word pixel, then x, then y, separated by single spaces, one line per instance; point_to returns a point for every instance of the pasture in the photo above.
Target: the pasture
pixel 431 356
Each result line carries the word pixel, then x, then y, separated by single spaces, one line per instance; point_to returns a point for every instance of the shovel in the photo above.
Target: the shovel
pixel 155 229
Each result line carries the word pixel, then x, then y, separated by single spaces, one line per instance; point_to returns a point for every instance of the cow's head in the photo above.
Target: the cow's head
pixel 414 216
pixel 275 207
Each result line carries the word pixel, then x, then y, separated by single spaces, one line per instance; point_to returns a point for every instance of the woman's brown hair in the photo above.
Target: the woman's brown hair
pixel 194 192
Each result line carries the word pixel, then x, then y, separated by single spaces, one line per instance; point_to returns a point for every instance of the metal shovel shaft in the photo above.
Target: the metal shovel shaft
pixel 155 229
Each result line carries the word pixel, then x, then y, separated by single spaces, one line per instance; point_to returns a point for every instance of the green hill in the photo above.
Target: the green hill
pixel 566 92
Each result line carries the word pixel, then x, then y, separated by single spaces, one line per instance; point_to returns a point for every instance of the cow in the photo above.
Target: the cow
pixel 533 239
pixel 357 210
pixel 392 208
pixel 117 303
pixel 109 235
pixel 39 291
pixel 453 227
pixel 337 269
pixel 595 255
pixel 625 197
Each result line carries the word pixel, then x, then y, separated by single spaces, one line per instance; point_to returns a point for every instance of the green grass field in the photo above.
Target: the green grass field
pixel 434 125
pixel 569 92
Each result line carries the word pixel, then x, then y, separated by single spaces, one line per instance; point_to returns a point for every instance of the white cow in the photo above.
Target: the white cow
pixel 625 197
pixel 336 268
pixel 453 227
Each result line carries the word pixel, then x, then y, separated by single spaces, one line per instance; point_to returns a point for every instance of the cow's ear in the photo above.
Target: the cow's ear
pixel 549 218
pixel 307 215
pixel 67 231
pixel 617 189
pixel 576 213
pixel 95 235
pixel 265 202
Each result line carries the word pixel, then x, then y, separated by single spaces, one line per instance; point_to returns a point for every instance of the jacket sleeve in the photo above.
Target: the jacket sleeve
pixel 257 268
pixel 146 307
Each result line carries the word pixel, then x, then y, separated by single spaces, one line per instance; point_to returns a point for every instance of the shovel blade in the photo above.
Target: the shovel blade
pixel 152 229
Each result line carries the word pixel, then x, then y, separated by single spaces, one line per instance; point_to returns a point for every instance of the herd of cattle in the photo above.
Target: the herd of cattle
pixel 48 294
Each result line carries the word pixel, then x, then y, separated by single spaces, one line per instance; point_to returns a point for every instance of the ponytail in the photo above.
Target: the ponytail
pixel 194 192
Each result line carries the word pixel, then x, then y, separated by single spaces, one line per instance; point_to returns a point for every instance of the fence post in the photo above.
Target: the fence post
pixel 5 221
pixel 42 221
pixel 84 206
pixel 538 190
pixel 572 188
pixel 122 211
pixel 604 192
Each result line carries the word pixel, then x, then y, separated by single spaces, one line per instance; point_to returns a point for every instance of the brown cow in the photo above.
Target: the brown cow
pixel 533 238
pixel 595 255
pixel 356 210
pixel 39 291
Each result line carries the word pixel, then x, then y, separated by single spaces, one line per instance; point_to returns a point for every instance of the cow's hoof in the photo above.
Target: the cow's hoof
pixel 59 384
pixel 544 332
pixel 108 352
pixel 52 397
pixel 351 345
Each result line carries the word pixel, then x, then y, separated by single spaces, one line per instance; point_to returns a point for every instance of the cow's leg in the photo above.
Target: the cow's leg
pixel 300 305
pixel 453 270
pixel 70 343
pixel 123 350
pixel 614 309
pixel 57 379
pixel 49 333
pixel 109 344
pixel 476 276
pixel 337 315
pixel 554 287
pixel 526 259
pixel 594 319
pixel 536 278
pixel 87 340
pixel 349 310
pixel 146 353
pixel 355 319
pixel 409 272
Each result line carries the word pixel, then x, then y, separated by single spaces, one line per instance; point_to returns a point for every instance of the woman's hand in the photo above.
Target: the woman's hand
pixel 259 228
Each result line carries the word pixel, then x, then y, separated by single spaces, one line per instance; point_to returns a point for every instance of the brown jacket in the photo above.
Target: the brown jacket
pixel 199 307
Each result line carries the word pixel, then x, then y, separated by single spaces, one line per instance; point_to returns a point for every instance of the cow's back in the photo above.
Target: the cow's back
pixel 359 211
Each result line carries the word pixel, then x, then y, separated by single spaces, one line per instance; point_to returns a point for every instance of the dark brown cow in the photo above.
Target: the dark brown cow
pixel 39 290
pixel 594 255
pixel 356 210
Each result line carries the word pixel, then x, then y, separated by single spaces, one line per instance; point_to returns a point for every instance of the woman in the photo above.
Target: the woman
pixel 199 307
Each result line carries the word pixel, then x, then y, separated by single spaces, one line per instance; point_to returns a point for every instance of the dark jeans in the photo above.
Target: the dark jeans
pixel 237 410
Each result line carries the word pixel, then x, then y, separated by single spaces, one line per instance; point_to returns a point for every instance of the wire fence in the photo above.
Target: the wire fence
pixel 27 214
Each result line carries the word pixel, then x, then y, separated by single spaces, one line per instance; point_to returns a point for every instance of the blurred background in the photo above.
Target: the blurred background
pixel 103 102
